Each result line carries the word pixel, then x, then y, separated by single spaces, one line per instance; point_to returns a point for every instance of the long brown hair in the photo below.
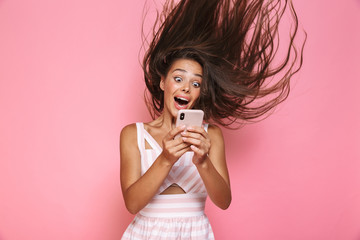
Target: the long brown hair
pixel 236 42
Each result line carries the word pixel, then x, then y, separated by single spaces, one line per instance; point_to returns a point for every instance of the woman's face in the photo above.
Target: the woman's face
pixel 181 85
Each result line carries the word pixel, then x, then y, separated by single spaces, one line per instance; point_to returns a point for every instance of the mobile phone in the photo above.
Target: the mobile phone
pixel 189 117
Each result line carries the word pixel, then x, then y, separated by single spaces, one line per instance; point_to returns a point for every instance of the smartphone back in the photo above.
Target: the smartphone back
pixel 190 117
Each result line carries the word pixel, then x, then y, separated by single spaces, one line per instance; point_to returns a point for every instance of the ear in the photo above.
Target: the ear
pixel 162 83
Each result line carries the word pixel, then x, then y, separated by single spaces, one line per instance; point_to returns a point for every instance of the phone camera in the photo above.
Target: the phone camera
pixel 182 116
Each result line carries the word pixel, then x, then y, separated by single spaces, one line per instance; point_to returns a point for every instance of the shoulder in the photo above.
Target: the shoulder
pixel 128 132
pixel 215 133
pixel 214 130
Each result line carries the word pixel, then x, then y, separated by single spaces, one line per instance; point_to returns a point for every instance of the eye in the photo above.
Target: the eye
pixel 196 84
pixel 177 79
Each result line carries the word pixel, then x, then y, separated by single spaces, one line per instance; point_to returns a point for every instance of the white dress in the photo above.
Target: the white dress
pixel 171 216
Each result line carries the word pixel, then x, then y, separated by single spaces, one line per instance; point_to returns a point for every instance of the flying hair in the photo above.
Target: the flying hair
pixel 237 44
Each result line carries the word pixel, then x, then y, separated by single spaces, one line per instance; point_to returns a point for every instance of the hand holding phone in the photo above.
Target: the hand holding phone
pixel 189 118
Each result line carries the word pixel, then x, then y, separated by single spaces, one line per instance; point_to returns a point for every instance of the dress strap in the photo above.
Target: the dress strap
pixel 140 138
pixel 206 126
pixel 152 142
pixel 143 136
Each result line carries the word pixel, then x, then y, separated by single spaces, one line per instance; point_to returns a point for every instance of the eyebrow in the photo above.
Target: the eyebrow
pixel 182 70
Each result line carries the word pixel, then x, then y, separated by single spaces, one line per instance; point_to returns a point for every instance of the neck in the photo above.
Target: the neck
pixel 166 121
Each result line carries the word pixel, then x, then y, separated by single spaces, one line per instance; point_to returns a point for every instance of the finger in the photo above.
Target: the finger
pixel 174 132
pixel 195 138
pixel 195 129
pixel 197 151
pixel 181 147
pixel 198 130
pixel 172 143
pixel 194 135
pixel 179 151
pixel 177 143
pixel 192 141
pixel 184 150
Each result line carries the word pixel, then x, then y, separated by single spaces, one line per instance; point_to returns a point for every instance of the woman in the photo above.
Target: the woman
pixel 213 55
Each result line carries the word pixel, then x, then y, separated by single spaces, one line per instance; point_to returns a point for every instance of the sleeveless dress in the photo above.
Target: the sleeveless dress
pixel 171 216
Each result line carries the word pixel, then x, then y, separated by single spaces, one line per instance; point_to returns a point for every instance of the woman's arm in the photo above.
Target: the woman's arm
pixel 139 190
pixel 209 158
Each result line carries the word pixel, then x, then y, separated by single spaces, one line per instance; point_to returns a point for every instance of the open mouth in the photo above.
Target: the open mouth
pixel 181 101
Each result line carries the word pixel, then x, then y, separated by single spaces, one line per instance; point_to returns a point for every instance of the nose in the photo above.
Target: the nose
pixel 186 87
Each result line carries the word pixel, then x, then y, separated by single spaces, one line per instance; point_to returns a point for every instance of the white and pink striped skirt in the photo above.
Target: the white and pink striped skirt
pixel 175 216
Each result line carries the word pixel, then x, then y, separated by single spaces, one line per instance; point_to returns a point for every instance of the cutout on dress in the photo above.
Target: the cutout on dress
pixel 147 145
pixel 173 189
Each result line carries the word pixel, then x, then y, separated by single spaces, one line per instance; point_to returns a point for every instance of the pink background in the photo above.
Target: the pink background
pixel 70 79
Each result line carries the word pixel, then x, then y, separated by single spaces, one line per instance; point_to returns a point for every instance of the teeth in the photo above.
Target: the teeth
pixel 181 101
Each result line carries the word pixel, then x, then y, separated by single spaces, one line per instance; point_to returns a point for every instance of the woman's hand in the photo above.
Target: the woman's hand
pixel 199 142
pixel 174 148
